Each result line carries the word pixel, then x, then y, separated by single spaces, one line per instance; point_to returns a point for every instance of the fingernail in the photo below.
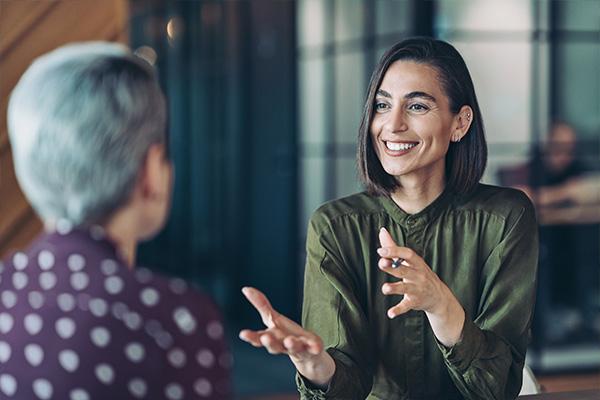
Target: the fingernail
pixel 382 251
pixel 245 290
pixel 390 314
pixel 385 289
pixel 382 229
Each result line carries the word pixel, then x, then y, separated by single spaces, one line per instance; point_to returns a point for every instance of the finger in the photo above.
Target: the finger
pixel 268 314
pixel 294 345
pixel 251 337
pixel 399 309
pixel 385 238
pixel 408 255
pixel 406 272
pixel 262 305
pixel 313 343
pixel 397 288
pixel 272 344
pixel 384 263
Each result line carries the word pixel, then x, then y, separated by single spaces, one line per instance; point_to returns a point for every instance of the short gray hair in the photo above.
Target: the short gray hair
pixel 81 121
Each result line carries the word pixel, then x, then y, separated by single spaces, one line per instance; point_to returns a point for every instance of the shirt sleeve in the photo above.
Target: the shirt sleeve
pixel 487 363
pixel 333 311
pixel 200 360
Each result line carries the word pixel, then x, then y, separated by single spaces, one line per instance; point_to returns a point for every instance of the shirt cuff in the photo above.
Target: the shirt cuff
pixel 333 390
pixel 465 350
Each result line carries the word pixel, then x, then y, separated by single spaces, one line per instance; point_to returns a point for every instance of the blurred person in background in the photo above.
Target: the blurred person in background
pixel 79 320
pixel 566 194
pixel 422 286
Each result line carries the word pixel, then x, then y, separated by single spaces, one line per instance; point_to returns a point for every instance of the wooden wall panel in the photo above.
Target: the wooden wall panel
pixel 29 28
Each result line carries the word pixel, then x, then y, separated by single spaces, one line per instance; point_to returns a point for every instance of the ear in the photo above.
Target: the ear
pixel 462 123
pixel 154 172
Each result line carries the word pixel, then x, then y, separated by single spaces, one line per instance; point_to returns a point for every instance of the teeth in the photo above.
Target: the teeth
pixel 399 146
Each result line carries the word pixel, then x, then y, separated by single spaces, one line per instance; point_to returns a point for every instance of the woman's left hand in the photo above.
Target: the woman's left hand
pixel 422 290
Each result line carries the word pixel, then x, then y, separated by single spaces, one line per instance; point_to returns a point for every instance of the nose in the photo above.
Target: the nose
pixel 396 121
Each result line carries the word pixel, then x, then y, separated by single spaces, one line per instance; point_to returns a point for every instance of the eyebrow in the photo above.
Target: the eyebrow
pixel 411 95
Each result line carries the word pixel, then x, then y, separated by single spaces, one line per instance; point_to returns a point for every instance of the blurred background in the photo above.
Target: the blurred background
pixel 265 99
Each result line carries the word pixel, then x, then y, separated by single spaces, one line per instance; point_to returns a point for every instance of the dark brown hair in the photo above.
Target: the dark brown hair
pixel 465 160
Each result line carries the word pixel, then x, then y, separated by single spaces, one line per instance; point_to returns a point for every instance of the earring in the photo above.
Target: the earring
pixel 468 116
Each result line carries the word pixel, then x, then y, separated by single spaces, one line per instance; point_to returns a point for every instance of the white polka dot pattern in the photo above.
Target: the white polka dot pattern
pixel 113 284
pixel 119 310
pixel 135 352
pixel 79 280
pixel 184 320
pixel 36 300
pixel 138 388
pixel 66 302
pixel 34 354
pixel 205 358
pixel 46 260
pixel 42 389
pixel 47 280
pixel 149 297
pixel 105 373
pixel 98 307
pixel 87 303
pixel 203 387
pixel 33 324
pixel 6 322
pixel 8 384
pixel 5 352
pixel 69 360
pixel 9 299
pixel 19 280
pixel 65 327
pixel 79 394
pixel 174 391
pixel 100 336
pixel 76 262
pixel 176 358
pixel 214 330
pixel 132 320
pixel 108 267
pixel 20 261
pixel 177 286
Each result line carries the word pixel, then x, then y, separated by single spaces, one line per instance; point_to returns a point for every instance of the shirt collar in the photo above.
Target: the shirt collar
pixel 93 237
pixel 422 217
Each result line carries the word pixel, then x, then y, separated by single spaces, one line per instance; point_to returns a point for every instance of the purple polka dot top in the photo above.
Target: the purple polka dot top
pixel 76 323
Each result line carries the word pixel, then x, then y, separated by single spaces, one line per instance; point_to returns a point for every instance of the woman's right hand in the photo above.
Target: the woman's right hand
pixel 284 336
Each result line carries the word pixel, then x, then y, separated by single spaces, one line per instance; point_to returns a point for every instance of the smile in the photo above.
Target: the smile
pixel 399 146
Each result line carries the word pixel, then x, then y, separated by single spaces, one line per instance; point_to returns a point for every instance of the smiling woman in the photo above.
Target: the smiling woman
pixel 423 285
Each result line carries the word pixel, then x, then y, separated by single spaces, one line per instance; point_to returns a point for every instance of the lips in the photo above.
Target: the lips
pixel 398 148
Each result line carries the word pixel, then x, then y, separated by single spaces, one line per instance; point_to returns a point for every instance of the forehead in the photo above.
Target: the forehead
pixel 403 77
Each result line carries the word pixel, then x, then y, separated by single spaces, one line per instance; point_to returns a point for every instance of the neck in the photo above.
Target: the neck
pixel 414 194
pixel 120 229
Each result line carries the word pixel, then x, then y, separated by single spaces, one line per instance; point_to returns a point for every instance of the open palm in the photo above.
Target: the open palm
pixel 282 335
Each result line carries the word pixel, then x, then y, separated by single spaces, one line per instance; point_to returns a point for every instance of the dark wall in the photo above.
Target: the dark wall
pixel 228 70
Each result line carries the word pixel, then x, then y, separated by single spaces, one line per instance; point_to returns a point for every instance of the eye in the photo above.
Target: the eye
pixel 381 106
pixel 418 107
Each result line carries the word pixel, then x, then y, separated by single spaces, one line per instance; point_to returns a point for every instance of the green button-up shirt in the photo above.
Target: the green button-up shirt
pixel 483 246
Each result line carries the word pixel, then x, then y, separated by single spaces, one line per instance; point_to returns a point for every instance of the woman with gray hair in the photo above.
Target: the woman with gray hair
pixel 78 320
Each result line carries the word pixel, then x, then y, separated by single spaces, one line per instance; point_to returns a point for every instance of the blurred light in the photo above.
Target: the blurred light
pixel 174 28
pixel 147 53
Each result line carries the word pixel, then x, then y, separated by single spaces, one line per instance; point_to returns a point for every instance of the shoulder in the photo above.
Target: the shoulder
pixel 175 297
pixel 353 206
pixel 508 204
